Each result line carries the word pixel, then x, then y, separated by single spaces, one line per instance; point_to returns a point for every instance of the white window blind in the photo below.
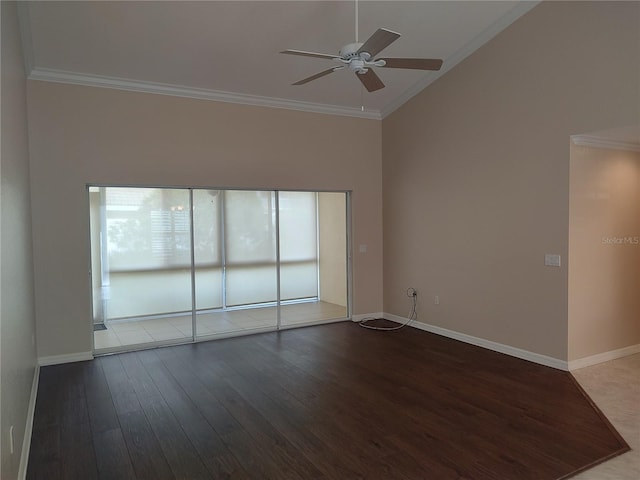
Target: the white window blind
pixel 148 251
pixel 207 248
pixel 147 228
pixel 298 245
pixel 148 242
pixel 250 254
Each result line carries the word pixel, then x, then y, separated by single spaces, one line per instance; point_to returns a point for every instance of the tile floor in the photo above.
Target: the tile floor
pixel 176 328
pixel 615 387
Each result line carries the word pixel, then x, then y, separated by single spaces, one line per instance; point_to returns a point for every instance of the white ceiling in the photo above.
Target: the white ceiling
pixel 229 50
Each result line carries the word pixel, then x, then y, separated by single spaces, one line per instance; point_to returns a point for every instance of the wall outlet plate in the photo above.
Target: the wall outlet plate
pixel 11 439
pixel 552 260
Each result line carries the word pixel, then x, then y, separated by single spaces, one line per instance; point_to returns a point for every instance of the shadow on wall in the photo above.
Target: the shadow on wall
pixel 604 243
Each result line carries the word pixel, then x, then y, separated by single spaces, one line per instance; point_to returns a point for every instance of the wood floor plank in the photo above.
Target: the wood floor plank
pixel 204 438
pixel 255 457
pixel 170 417
pixel 472 412
pixel 215 413
pixel 146 454
pixel 181 455
pixel 100 406
pixel 102 414
pixel 267 377
pixel 123 392
pixel 347 428
pixel 112 456
pixel 332 402
pixel 78 459
pixel 248 382
pixel 227 466
pixel 45 454
pixel 254 422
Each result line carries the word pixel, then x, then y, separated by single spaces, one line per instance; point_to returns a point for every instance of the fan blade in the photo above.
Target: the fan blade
pixel 413 63
pixel 377 42
pixel 309 54
pixel 317 75
pixel 370 80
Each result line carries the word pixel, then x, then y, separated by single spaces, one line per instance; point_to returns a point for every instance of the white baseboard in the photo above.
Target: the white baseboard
pixel 481 342
pixel 366 316
pixel 67 358
pixel 28 429
pixel 603 357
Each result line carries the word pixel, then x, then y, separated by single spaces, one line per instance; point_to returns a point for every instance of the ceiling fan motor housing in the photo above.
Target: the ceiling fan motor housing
pixel 357 61
pixel 350 50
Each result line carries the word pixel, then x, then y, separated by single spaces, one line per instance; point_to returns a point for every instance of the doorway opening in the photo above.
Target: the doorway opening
pixel 176 265
pixel 604 245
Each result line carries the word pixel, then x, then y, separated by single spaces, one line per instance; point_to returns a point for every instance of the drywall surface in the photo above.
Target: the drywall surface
pixel 604 251
pixel 17 316
pixel 81 135
pixel 476 172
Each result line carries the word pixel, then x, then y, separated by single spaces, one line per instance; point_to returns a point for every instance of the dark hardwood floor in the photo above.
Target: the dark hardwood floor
pixel 333 401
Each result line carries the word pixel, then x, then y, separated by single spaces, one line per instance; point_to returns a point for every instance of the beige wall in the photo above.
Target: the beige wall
pixel 476 172
pixel 17 318
pixel 604 251
pixel 332 248
pixel 84 134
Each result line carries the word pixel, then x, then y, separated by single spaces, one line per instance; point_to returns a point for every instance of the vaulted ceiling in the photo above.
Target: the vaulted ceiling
pixel 228 51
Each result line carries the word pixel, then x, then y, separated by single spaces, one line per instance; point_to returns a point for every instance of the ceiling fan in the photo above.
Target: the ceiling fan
pixel 360 58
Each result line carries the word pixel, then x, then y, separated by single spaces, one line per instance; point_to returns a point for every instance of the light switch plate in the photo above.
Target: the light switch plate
pixel 552 260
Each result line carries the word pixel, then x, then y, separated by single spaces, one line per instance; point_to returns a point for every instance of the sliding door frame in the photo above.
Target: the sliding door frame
pixel 192 243
pixel 194 311
pixel 278 266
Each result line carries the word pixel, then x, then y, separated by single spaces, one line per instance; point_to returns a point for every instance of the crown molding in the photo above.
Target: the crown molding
pixel 600 142
pixel 74 78
pixel 58 76
pixel 494 29
pixel 24 23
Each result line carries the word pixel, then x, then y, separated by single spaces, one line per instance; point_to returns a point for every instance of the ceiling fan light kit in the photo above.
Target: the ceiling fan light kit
pixel 359 58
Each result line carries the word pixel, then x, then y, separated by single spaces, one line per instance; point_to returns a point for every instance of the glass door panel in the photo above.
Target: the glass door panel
pixel 207 249
pixel 208 262
pixel 250 258
pixel 298 224
pixel 235 261
pixel 141 265
pixel 313 254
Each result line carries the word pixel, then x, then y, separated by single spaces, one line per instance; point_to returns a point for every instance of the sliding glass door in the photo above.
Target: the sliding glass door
pixel 141 265
pixel 171 265
pixel 313 257
pixel 236 234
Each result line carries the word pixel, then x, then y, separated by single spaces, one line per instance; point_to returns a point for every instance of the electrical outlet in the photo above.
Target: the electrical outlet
pixel 436 300
pixel 11 439
pixel 552 260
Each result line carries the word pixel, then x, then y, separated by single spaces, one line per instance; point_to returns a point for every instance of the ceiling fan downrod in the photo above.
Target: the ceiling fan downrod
pixel 356 21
